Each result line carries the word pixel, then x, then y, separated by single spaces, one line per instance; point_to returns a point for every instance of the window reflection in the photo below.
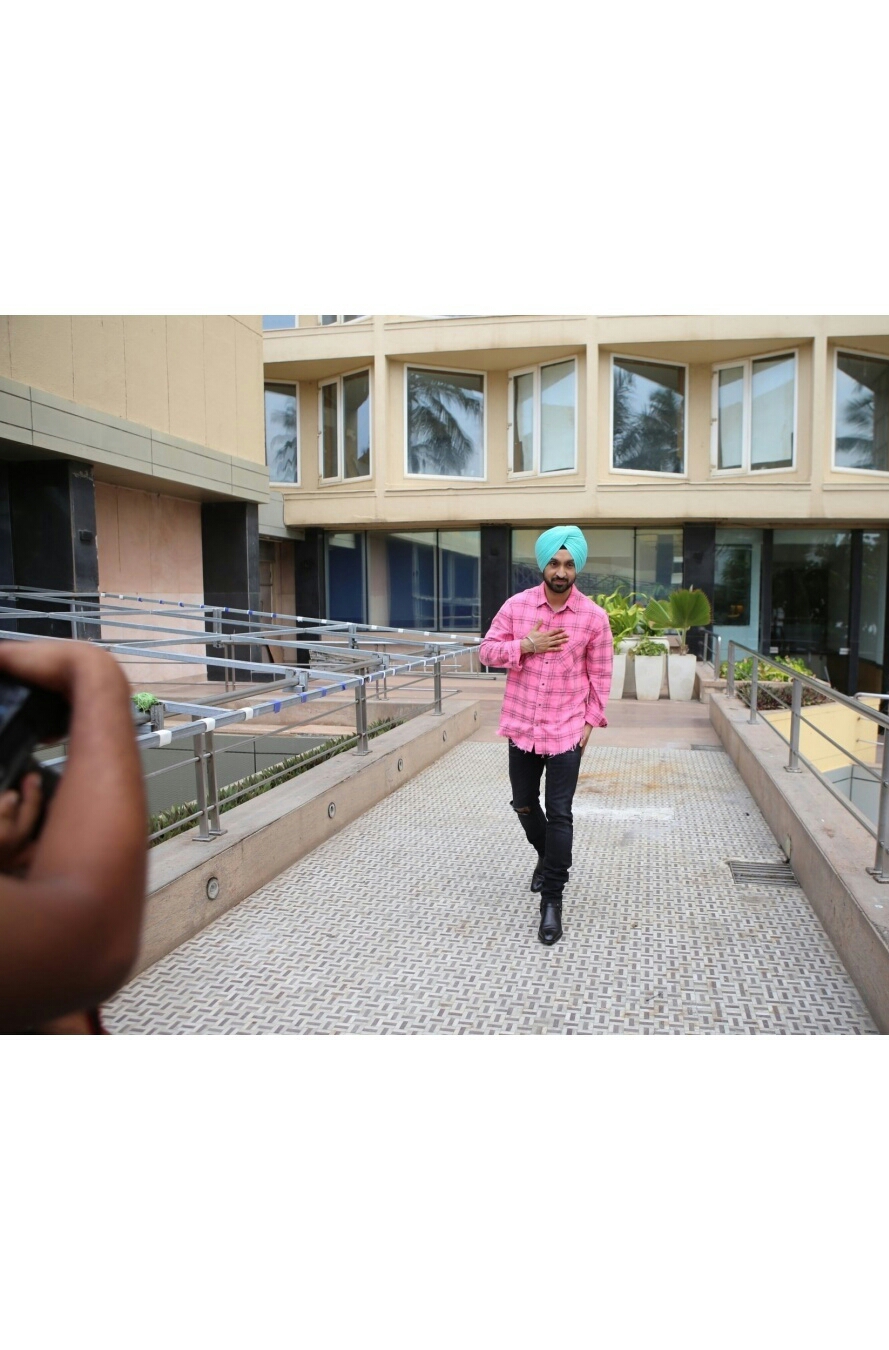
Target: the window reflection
pixel 862 412
pixel 445 415
pixel 648 408
pixel 280 433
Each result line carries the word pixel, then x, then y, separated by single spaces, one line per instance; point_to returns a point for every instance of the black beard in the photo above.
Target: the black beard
pixel 559 585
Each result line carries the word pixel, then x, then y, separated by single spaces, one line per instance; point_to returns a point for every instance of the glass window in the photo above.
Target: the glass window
pixel 344 426
pixel 345 578
pixel 280 433
pixel 557 417
pixel 340 318
pixel 658 562
pixel 861 429
pixel 272 321
pixel 543 412
pixel 356 421
pixel 329 430
pixel 771 412
pixel 736 587
pixel 730 421
pixel 523 422
pixel 810 599
pixel 459 559
pixel 872 635
pixel 648 416
pixel 425 579
pixel 732 585
pixel 754 413
pixel 445 423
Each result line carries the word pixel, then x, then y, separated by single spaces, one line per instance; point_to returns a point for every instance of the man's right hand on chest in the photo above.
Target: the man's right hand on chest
pixel 537 641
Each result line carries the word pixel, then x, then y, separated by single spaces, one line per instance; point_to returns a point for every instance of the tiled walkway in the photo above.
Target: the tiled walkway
pixel 418 918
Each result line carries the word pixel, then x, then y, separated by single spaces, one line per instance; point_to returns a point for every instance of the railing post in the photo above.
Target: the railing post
pixel 730 673
pixel 212 788
pixel 361 718
pixel 754 688
pixel 203 835
pixel 796 703
pixel 717 654
pixel 436 687
pixel 880 869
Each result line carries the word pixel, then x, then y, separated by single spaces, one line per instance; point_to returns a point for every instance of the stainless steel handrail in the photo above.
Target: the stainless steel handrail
pixel 799 682
pixel 371 656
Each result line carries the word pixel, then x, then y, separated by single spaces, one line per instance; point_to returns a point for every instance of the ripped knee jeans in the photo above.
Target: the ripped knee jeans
pixel 550 832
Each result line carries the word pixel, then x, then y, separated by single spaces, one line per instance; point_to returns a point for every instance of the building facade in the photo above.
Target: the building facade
pixel 132 458
pixel 417 459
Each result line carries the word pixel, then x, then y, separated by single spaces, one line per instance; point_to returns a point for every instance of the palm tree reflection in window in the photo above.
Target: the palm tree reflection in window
pixel 862 413
pixel 280 433
pixel 649 407
pixel 445 415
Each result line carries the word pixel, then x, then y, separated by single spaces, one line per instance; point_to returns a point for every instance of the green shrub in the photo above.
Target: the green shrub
pixel 648 647
pixel 144 702
pixel 744 669
pixel 259 782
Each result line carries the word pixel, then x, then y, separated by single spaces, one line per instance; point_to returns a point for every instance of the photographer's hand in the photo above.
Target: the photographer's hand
pixel 69 928
pixel 19 811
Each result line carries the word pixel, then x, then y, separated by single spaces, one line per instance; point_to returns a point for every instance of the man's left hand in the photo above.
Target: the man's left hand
pixel 585 737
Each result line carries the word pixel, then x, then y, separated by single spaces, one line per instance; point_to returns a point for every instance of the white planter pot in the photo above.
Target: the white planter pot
pixel 649 672
pixel 618 675
pixel 629 690
pixel 681 675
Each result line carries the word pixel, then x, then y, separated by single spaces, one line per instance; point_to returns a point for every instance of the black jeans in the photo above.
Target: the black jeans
pixel 551 834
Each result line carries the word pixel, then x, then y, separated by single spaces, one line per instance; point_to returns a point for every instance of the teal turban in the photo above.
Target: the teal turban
pixel 561 536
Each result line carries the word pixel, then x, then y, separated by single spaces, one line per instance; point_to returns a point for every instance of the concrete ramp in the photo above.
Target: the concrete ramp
pixel 417 918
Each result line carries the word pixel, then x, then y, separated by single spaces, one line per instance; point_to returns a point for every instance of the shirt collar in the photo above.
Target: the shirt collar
pixel 569 603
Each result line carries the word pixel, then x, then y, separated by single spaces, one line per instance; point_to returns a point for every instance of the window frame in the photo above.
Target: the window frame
pixel 652 361
pixel 871 356
pixel 746 467
pixel 341 318
pixel 341 428
pixel 446 477
pixel 521 475
pixel 283 384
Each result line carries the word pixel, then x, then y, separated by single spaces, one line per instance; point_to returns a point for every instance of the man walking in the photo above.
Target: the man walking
pixel 556 647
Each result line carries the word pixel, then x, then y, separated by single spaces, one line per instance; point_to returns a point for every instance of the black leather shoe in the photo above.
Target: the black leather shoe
pixel 550 929
pixel 537 878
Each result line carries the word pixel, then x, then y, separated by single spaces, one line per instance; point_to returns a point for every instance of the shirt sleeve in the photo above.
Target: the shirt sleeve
pixel 599 660
pixel 500 646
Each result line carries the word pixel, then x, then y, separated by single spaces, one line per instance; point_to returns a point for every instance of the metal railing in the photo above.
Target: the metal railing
pixel 878 773
pixel 321 659
pixel 712 650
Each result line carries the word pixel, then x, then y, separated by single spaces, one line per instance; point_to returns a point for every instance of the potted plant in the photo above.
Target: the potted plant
pixel 682 610
pixel 624 616
pixel 147 708
pixel 648 667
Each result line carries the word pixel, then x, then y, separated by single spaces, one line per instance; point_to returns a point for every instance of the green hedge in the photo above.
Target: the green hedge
pixel 259 782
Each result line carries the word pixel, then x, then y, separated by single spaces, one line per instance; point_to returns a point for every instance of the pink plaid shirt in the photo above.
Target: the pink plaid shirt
pixel 551 695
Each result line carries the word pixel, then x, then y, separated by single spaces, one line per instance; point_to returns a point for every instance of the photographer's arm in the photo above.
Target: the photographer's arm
pixel 69 929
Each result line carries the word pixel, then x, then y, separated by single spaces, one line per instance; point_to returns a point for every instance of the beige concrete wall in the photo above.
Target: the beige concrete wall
pixel 149 544
pixel 812 491
pixel 194 377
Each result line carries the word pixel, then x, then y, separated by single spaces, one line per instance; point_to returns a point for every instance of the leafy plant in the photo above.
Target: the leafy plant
pixel 683 609
pixel 144 702
pixel 648 647
pixel 744 669
pixel 624 614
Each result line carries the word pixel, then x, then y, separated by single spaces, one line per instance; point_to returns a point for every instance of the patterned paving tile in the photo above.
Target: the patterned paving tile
pixel 418 918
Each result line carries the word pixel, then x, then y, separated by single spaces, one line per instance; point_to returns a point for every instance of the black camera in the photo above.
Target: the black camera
pixel 29 716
